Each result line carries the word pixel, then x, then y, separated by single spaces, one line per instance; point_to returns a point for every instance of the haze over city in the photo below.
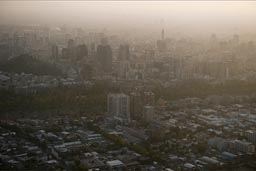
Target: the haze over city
pixel 128 85
pixel 186 16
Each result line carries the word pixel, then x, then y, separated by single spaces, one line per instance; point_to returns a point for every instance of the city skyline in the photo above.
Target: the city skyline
pixel 188 16
pixel 128 85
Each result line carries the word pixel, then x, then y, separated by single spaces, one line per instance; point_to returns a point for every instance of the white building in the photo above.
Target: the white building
pixel 115 164
pixel 148 113
pixel 119 106
pixel 243 146
pixel 251 135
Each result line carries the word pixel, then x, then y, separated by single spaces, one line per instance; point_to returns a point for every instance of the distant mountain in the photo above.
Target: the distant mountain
pixel 27 64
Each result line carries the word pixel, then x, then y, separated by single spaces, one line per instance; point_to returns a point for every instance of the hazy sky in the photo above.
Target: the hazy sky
pixel 191 15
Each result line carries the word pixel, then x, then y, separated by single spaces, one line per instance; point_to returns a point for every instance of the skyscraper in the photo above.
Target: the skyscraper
pixel 92 48
pixel 119 106
pixel 81 51
pixel 104 56
pixel 162 34
pixel 124 52
pixel 161 43
pixel 71 50
pixel 55 53
pixel 136 104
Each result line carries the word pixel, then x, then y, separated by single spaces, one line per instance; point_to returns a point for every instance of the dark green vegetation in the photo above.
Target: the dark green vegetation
pixel 203 89
pixel 80 99
pixel 94 100
pixel 27 64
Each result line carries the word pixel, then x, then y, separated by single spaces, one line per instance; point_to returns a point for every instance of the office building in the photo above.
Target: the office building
pixel 119 106
pixel 104 56
pixel 124 52
pixel 55 53
pixel 81 52
pixel 148 113
pixel 136 105
pixel 161 44
pixel 71 50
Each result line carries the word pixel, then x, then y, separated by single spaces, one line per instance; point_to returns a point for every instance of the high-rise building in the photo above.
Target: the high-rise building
pixel 104 56
pixel 235 40
pixel 71 43
pixel 55 53
pixel 149 98
pixel 64 53
pixel 104 40
pixel 124 52
pixel 148 113
pixel 119 106
pixel 71 50
pixel 162 34
pixel 122 68
pixel 161 44
pixel 81 51
pixel 213 41
pixel 92 48
pixel 136 105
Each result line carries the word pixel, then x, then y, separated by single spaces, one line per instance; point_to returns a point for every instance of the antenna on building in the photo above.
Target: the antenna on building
pixel 162 33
